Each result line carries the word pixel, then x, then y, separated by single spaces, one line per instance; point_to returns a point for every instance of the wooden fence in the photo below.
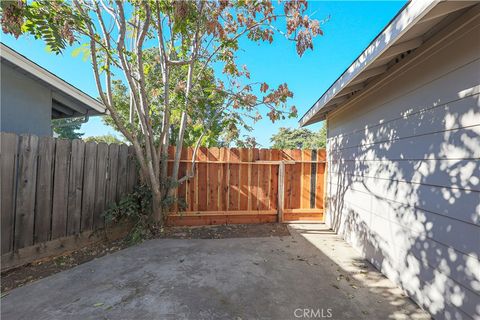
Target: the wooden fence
pixel 250 185
pixel 52 188
pixel 54 192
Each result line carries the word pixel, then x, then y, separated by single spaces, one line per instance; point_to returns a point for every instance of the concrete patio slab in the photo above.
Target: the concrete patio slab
pixel 291 277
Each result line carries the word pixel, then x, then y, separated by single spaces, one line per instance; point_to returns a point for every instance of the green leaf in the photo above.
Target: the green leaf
pixel 76 51
pixel 84 50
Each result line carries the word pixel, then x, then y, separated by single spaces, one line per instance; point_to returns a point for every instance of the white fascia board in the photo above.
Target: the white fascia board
pixel 23 63
pixel 405 20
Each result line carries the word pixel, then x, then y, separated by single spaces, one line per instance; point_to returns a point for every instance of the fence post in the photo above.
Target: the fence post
pixel 281 186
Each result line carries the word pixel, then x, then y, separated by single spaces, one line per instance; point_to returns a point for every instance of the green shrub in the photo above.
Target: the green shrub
pixel 135 208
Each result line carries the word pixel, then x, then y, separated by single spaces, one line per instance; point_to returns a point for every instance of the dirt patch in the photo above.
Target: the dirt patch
pixel 46 267
pixel 227 231
pixel 43 268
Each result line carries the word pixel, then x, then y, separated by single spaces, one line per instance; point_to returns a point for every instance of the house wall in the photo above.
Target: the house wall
pixel 404 175
pixel 26 105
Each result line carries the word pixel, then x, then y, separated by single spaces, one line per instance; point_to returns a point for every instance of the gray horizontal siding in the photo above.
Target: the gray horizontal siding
pixel 448 144
pixel 438 173
pixel 422 271
pixel 427 254
pixel 452 115
pixel 403 183
pixel 455 204
pixel 462 237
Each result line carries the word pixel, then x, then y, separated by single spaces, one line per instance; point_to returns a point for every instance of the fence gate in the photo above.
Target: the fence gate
pixel 245 186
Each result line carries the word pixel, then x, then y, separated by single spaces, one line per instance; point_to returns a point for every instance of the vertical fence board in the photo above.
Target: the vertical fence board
pixel 195 187
pixel 249 180
pixel 122 171
pixel 213 156
pixel 202 180
pixel 100 184
pixel 254 181
pixel 131 168
pixel 244 179
pixel 171 156
pixel 191 183
pixel 8 167
pixel 44 192
pixel 288 177
pixel 112 176
pixel 60 188
pixel 25 205
pixel 313 179
pixel 26 184
pixel 295 201
pixel 320 182
pixel 264 181
pixel 75 187
pixel 320 185
pixel 261 183
pixel 322 155
pixel 281 191
pixel 89 185
pixel 182 171
pixel 306 174
pixel 233 180
pixel 223 178
pixel 273 194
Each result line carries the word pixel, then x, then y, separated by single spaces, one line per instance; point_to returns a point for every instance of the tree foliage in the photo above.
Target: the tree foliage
pixel 300 138
pixel 107 138
pixel 67 128
pixel 191 37
pixel 222 131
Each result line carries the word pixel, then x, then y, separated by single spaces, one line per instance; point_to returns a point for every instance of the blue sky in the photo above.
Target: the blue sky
pixel 351 27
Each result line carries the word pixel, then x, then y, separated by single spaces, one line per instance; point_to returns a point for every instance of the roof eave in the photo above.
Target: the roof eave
pixel 405 20
pixel 13 57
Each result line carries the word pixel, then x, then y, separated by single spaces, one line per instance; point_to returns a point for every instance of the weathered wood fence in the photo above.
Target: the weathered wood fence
pixel 52 188
pixel 250 185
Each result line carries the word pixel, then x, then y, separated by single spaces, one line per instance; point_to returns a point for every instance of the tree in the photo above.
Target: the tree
pixel 107 138
pixel 247 142
pixel 67 128
pixel 218 133
pixel 322 136
pixel 191 36
pixel 301 138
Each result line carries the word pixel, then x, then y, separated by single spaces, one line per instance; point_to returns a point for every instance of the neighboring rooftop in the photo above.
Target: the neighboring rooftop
pixel 67 100
pixel 418 21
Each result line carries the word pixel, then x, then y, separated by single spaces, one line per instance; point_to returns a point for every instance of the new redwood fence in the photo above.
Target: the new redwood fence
pixel 52 188
pixel 250 185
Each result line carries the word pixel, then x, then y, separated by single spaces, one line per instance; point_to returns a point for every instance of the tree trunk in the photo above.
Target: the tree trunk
pixel 157 207
pixel 179 146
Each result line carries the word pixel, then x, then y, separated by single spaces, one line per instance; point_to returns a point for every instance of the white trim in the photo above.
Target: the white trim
pixel 403 22
pixel 27 65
